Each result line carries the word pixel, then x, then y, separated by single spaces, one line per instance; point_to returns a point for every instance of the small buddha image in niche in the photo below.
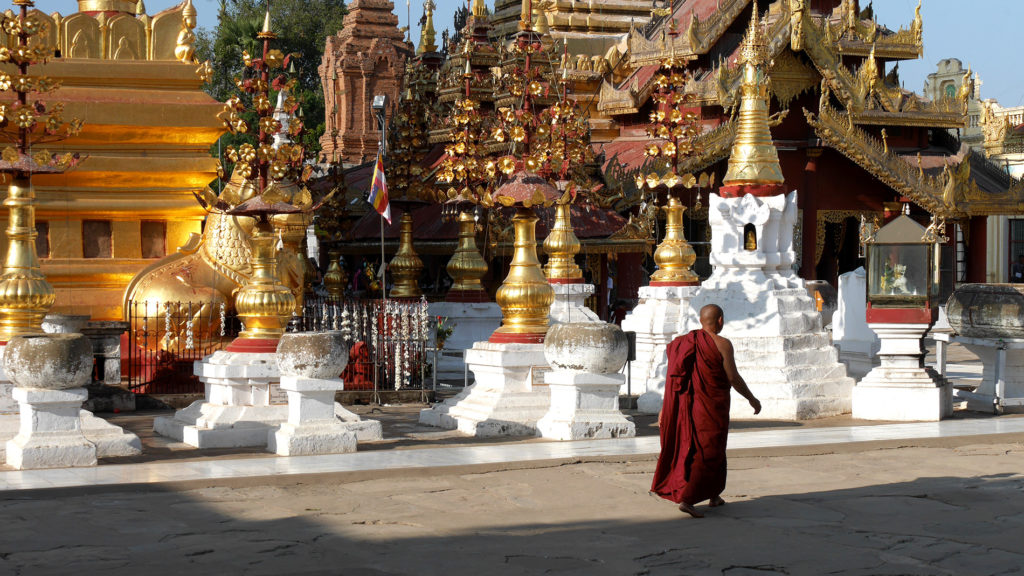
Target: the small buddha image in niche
pixel 749 238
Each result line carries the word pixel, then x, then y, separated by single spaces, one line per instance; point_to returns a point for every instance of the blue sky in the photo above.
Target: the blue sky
pixel 986 38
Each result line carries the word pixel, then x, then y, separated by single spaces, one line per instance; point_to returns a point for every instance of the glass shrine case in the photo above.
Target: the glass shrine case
pixel 902 266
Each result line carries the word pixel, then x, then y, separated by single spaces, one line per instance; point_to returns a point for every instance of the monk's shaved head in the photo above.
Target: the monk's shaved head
pixel 710 315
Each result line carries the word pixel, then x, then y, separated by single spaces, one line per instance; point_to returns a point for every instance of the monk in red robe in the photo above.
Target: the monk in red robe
pixel 694 419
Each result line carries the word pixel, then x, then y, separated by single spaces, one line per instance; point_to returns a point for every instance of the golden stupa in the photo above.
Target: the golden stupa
pixel 754 159
pixel 148 129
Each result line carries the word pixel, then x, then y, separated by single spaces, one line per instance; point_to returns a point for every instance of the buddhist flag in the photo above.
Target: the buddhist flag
pixel 379 191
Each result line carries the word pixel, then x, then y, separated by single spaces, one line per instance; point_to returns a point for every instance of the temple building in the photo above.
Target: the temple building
pixel 998 133
pixel 131 77
pixel 849 137
pixel 365 58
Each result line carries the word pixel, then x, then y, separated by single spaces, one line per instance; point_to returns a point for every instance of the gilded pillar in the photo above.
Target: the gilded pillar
pixel 25 295
pixel 562 246
pixel 674 256
pixel 406 266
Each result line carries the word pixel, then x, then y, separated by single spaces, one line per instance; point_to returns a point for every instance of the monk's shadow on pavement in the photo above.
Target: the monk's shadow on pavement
pixel 933 525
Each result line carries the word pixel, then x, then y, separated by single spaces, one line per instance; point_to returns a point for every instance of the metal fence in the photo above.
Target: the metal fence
pixel 166 338
pixel 390 342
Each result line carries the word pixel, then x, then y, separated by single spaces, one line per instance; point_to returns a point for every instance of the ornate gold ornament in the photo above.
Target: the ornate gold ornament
pixel 335 278
pixel 674 256
pixel 700 36
pixel 525 297
pixel 406 266
pixel 427 34
pixel 25 294
pixel 562 245
pixel 466 266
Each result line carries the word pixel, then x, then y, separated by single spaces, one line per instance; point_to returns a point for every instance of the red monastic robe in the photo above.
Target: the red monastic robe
pixel 694 421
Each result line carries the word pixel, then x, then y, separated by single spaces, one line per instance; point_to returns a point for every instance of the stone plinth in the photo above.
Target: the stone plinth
pixel 902 387
pixel 507 399
pixel 50 435
pixel 106 348
pixel 662 313
pixel 584 405
pixel 64 323
pixel 8 405
pixel 238 409
pixel 242 405
pixel 312 427
pixel 858 345
pixel 584 382
pixel 570 304
pixel 473 322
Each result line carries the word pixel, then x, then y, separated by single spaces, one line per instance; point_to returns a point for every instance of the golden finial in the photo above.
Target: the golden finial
pixel 140 8
pixel 674 256
pixel 428 34
pixel 266 33
pixel 466 266
pixel 562 245
pixel 479 8
pixel 754 159
pixel 406 265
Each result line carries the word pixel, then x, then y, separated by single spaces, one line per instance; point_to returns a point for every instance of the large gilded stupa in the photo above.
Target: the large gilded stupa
pixel 132 78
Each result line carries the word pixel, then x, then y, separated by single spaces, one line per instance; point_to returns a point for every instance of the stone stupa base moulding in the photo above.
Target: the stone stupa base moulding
pixel 902 388
pixel 312 426
pixel 507 399
pixel 662 314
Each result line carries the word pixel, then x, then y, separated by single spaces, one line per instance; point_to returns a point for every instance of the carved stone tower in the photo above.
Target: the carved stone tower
pixel 367 57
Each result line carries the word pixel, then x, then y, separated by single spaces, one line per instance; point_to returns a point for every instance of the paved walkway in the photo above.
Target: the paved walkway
pixel 455 456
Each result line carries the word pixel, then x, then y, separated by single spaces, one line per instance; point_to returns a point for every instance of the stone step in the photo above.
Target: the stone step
pixel 810 356
pixel 753 344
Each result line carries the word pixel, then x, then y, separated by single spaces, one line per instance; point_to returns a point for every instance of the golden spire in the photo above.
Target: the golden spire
pixel 428 34
pixel 562 245
pixel 480 8
pixel 754 159
pixel 267 32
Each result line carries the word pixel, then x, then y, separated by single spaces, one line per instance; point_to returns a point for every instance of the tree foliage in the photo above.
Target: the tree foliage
pixel 302 27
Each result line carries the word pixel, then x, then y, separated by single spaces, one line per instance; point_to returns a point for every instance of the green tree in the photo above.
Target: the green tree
pixel 302 27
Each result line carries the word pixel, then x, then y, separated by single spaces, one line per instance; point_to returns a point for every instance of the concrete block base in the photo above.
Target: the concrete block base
pixel 903 395
pixel 584 406
pixel 50 434
pixel 507 399
pixel 323 437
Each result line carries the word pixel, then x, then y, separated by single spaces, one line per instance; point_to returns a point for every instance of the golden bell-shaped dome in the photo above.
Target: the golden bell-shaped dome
pixel 674 256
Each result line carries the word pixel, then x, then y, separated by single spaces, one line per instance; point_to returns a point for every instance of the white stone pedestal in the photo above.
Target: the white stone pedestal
pixel 7 403
pixel 50 435
pixel 474 322
pixel 238 409
pixel 312 427
pixel 663 313
pixel 583 406
pixel 858 345
pixel 508 398
pixel 902 387
pixel 243 405
pixel 570 304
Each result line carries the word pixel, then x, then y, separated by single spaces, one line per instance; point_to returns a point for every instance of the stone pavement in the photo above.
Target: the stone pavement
pixel 897 499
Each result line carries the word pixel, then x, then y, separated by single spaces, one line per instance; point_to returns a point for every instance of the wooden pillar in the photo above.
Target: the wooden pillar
pixel 977 249
pixel 602 289
pixel 809 226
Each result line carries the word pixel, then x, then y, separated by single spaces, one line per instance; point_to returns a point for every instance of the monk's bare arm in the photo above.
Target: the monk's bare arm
pixel 735 380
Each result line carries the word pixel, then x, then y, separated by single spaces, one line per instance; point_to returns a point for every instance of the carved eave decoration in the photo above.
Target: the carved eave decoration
pixel 791 78
pixel 834 127
pixel 698 38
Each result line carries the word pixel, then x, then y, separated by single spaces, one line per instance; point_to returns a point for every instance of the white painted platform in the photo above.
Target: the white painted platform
pixel 157 472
